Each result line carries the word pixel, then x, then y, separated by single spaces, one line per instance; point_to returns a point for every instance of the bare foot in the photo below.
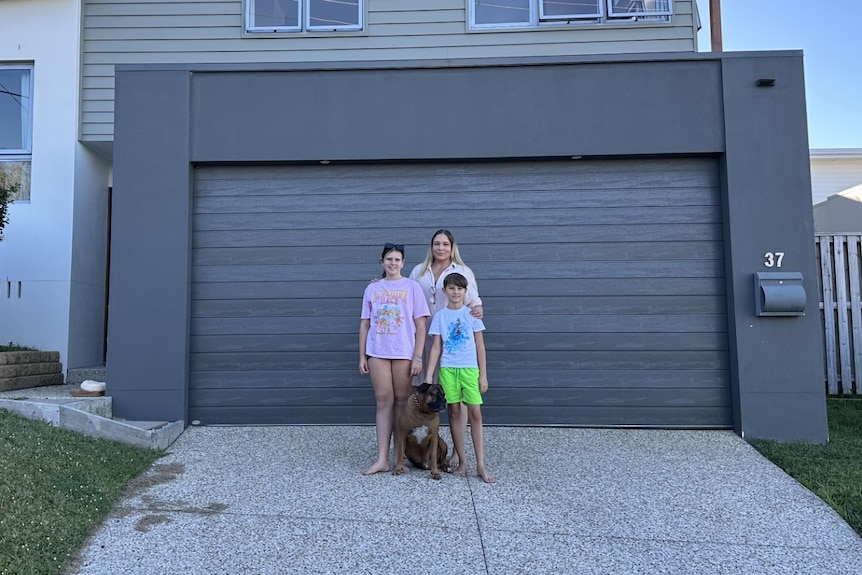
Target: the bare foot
pixel 460 471
pixel 378 467
pixel 453 463
pixel 484 475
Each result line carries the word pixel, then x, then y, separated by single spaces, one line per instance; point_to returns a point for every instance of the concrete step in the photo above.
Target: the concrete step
pixel 92 416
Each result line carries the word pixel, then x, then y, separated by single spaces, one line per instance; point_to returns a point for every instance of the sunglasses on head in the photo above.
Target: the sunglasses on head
pixel 388 246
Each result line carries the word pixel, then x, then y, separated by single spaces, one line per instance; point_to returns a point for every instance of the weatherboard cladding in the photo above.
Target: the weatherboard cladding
pixel 157 32
pixel 603 284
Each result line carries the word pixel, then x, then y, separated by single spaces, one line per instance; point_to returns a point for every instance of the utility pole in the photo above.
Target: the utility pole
pixel 715 24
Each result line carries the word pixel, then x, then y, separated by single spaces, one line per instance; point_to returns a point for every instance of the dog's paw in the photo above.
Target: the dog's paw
pixel 399 470
pixel 435 475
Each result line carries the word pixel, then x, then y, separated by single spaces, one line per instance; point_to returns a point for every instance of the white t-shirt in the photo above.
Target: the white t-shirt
pixel 456 328
pixel 391 306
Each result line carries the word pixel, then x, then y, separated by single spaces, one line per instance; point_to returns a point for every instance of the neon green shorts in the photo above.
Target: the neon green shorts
pixel 461 385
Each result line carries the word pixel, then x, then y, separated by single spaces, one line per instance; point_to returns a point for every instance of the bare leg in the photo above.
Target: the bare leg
pixel 403 388
pixel 455 410
pixel 455 462
pixel 478 435
pixel 384 397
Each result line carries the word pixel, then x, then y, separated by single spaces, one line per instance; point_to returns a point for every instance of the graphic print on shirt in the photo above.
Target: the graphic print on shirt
pixel 458 338
pixel 388 317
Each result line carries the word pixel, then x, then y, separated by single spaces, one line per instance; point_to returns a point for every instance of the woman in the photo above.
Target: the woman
pixel 442 259
pixel 392 332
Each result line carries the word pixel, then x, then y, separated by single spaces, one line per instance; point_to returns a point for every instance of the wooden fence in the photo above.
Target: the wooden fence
pixel 838 259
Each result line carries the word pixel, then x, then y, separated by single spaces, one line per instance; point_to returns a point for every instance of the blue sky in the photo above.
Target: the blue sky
pixel 829 32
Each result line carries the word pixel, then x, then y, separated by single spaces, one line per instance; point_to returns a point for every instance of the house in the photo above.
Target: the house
pixel 52 258
pixel 836 182
pixel 618 194
pixel 834 170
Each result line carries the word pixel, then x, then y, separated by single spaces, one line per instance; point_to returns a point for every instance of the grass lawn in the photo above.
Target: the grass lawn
pixel 56 487
pixel 832 471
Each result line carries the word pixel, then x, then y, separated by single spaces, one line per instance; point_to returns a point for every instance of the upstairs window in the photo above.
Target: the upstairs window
pixel 16 128
pixel 273 16
pixel 519 13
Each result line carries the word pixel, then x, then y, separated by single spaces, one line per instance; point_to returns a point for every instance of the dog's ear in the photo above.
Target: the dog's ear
pixel 423 388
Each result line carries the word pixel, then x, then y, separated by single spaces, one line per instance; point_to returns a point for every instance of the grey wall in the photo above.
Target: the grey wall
pixel 691 104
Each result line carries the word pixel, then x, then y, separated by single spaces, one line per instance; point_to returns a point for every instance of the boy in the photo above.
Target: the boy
pixel 460 348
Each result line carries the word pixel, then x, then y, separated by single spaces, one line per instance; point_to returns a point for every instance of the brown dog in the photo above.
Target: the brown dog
pixel 422 415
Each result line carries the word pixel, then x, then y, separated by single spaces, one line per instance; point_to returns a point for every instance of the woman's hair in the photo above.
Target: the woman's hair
pixel 387 247
pixel 429 258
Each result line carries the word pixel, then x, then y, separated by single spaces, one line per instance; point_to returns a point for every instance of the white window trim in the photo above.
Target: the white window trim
pixel 605 15
pixel 640 13
pixel 543 17
pixel 304 17
pixel 27 126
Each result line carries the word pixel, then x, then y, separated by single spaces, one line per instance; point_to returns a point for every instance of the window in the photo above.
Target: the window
pixel 16 128
pixel 509 13
pixel 268 16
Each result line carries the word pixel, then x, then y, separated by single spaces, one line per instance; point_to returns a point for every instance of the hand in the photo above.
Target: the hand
pixel 483 385
pixel 476 311
pixel 363 366
pixel 415 367
pixel 373 280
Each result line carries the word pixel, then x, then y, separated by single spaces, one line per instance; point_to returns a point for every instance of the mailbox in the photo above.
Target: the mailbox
pixel 778 294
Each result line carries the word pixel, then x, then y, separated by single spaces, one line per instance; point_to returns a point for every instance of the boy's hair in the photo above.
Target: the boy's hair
pixel 455 279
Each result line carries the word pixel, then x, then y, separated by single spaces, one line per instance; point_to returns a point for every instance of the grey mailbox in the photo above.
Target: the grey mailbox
pixel 778 293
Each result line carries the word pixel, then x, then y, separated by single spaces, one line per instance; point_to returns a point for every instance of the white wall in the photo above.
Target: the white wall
pixel 38 247
pixel 833 171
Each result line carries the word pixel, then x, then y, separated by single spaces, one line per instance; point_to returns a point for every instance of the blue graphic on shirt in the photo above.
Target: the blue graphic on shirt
pixel 459 338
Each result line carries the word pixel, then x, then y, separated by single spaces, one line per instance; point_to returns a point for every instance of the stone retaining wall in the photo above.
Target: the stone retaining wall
pixel 23 369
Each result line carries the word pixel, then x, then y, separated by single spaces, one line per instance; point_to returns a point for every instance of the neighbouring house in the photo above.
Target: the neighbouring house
pixel 631 207
pixel 833 171
pixel 52 260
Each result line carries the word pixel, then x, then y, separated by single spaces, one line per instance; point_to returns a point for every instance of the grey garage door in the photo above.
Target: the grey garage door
pixel 603 284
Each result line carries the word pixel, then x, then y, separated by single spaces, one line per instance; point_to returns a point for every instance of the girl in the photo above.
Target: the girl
pixel 392 334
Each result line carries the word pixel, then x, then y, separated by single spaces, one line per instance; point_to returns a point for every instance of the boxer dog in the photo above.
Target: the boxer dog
pixel 419 432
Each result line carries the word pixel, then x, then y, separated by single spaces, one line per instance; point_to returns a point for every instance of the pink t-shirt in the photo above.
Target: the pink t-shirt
pixel 392 306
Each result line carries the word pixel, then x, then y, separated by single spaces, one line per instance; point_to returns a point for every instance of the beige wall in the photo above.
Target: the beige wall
pixel 189 32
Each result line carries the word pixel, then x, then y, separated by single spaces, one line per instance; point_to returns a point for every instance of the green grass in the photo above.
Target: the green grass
pixel 56 487
pixel 12 346
pixel 832 471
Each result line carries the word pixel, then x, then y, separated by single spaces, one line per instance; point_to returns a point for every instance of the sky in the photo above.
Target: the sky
pixel 829 32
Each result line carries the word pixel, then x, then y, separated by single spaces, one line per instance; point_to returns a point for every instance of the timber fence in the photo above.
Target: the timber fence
pixel 838 259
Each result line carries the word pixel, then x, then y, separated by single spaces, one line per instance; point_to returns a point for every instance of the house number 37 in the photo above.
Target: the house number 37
pixel 773 259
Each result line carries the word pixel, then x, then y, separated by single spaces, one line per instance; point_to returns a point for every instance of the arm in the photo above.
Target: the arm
pixel 416 364
pixel 433 358
pixel 480 356
pixel 364 326
pixel 473 301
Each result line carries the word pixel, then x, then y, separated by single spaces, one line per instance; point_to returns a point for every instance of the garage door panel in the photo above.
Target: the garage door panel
pixel 621 262
pixel 520 378
pixel 544 269
pixel 416 238
pixel 274 290
pixel 292 305
pixel 496 342
pixel 362 217
pixel 562 252
pixel 699 417
pixel 518 198
pixel 611 287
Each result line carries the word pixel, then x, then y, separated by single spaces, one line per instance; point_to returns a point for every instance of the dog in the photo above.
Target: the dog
pixel 419 432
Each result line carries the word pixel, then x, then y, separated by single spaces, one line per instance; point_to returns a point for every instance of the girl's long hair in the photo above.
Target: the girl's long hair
pixel 429 258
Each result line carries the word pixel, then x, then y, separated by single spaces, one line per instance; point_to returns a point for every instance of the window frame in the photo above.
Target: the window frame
pixel 605 15
pixel 642 13
pixel 304 25
pixel 27 126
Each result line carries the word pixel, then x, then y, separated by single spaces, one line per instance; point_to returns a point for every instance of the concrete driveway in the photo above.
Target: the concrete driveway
pixel 278 500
